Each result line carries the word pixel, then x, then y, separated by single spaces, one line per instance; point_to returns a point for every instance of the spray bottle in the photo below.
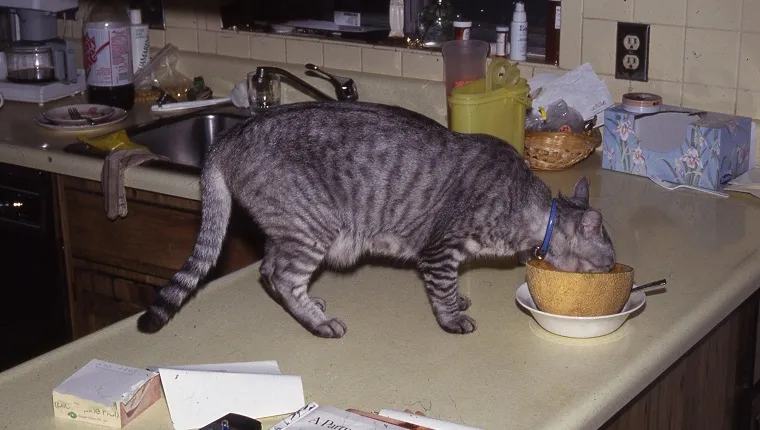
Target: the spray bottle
pixel 518 34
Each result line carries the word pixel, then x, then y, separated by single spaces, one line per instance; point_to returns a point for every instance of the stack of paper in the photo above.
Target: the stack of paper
pixel 199 394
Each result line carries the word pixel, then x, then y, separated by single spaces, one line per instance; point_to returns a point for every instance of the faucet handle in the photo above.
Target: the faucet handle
pixel 345 88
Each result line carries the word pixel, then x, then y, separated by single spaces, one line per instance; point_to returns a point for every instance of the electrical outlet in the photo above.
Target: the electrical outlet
pixel 631 62
pixel 632 51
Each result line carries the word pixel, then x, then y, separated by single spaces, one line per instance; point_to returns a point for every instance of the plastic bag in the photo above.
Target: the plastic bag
pixel 557 117
pixel 162 73
pixel 112 142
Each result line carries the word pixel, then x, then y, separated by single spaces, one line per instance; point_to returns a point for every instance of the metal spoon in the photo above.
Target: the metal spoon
pixel 649 285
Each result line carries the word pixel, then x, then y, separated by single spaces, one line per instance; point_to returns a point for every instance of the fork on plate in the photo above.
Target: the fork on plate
pixel 74 114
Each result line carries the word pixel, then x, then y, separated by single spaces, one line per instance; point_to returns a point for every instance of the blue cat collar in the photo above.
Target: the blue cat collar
pixel 542 250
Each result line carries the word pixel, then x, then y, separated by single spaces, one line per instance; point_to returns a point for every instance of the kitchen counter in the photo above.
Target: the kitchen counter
pixel 508 374
pixel 24 143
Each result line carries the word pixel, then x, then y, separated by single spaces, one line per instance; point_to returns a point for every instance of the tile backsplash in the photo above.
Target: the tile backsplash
pixel 703 53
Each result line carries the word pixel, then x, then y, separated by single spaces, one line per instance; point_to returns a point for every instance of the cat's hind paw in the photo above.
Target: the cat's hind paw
pixel 332 328
pixel 461 324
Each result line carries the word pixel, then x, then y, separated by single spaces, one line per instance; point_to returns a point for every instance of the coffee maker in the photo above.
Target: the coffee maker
pixel 38 65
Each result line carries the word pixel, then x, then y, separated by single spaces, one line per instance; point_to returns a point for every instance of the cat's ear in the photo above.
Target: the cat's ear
pixel 581 189
pixel 591 223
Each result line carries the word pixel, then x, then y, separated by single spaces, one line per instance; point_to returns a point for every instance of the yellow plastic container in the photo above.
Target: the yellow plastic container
pixel 495 105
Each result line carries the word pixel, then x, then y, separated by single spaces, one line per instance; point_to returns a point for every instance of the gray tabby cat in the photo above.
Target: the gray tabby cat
pixel 330 182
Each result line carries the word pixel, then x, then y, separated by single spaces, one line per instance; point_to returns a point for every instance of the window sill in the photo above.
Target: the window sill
pixel 395 58
pixel 392 57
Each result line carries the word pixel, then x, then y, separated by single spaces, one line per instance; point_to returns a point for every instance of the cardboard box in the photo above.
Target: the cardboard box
pixel 684 146
pixel 106 394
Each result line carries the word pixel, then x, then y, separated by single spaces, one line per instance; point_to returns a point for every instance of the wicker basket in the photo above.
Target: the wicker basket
pixel 558 151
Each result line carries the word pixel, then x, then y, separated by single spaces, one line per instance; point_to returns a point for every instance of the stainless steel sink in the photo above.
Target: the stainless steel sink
pixel 183 139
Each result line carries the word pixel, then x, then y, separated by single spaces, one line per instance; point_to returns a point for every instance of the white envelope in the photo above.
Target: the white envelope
pixel 199 394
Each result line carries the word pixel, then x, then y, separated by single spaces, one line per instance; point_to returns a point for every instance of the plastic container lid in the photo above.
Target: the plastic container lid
pixel 494 105
pixel 462 24
pixel 135 16
pixel 502 79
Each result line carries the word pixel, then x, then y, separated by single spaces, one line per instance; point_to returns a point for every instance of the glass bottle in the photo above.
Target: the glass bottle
pixel 553 14
pixel 436 24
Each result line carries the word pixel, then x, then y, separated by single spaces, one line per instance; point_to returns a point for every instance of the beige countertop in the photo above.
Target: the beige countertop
pixel 508 374
pixel 24 143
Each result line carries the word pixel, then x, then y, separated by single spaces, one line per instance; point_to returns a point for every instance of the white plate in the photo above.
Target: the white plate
pixel 579 327
pixel 60 115
pixel 118 115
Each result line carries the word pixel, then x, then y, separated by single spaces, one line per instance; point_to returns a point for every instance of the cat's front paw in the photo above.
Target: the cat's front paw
pixel 321 304
pixel 332 328
pixel 463 302
pixel 461 324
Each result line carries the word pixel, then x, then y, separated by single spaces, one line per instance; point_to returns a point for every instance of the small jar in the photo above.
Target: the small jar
pixel 462 30
pixel 502 35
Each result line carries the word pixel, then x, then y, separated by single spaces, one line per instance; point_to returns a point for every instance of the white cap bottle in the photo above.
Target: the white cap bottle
pixel 518 34
pixel 140 40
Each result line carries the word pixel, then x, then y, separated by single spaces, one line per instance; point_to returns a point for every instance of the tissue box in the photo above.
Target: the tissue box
pixel 684 146
pixel 106 394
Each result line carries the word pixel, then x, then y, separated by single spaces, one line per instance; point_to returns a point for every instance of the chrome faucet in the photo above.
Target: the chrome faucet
pixel 345 88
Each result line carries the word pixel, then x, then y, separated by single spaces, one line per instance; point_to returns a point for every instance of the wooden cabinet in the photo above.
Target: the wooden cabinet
pixel 710 387
pixel 114 268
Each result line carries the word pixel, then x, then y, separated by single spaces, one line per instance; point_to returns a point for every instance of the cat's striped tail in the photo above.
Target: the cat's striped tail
pixel 216 207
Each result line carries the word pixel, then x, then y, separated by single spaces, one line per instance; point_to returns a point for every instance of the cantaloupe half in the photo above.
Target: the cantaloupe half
pixel 578 294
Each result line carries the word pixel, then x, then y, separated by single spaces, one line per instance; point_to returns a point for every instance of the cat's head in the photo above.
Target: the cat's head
pixel 579 242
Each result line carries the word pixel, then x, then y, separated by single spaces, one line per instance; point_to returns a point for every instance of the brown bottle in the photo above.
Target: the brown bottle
pixel 552 31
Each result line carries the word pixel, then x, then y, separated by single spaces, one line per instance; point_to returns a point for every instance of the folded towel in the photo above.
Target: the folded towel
pixel 112 178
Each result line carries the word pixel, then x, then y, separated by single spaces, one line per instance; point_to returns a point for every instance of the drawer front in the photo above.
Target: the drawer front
pixel 150 239
pixel 153 238
pixel 103 296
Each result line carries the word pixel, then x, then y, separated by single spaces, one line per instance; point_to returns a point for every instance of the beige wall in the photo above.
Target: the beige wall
pixel 703 54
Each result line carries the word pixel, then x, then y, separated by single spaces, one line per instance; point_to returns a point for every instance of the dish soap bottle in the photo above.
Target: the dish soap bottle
pixel 518 34
pixel 106 40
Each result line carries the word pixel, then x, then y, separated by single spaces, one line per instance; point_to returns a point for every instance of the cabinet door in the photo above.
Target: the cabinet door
pixel 104 295
pixel 115 267
pixel 704 389
pixel 156 236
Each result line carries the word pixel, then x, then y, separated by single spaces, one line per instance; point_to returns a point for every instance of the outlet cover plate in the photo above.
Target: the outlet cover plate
pixel 632 51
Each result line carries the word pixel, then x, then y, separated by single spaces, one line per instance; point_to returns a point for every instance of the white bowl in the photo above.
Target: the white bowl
pixel 579 327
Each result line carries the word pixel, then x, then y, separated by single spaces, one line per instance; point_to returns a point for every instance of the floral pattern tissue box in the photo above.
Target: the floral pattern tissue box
pixel 684 146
